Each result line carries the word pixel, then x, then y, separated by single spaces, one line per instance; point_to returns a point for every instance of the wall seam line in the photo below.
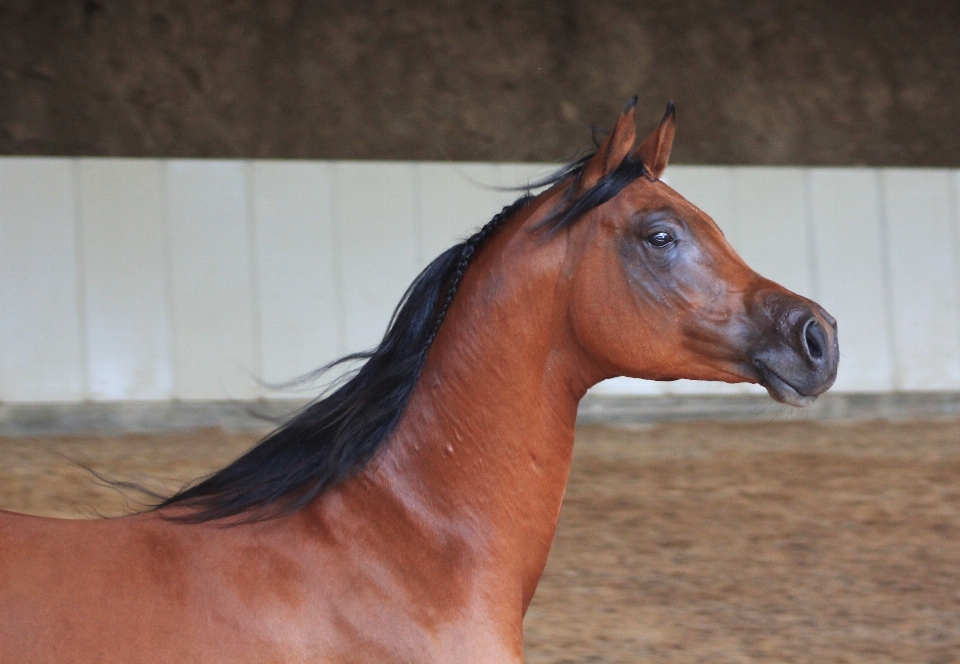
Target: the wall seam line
pixel 420 248
pixel 81 274
pixel 953 205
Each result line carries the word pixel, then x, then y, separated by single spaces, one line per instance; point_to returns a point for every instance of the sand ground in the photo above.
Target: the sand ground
pixel 772 542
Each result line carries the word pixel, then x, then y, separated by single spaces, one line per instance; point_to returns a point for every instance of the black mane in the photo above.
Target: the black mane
pixel 335 436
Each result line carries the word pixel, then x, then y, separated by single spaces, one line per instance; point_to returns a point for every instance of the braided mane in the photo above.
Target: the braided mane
pixel 333 437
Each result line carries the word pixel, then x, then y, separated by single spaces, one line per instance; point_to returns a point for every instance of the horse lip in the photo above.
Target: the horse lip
pixel 779 389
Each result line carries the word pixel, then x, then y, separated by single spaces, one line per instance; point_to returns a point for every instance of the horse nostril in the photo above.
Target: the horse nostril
pixel 813 339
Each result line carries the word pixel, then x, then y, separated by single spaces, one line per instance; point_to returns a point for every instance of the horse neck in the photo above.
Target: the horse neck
pixel 485 445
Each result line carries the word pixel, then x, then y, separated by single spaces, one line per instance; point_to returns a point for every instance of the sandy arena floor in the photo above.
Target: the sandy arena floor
pixel 777 542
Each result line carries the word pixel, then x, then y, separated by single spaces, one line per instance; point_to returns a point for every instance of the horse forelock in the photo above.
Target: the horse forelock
pixel 607 187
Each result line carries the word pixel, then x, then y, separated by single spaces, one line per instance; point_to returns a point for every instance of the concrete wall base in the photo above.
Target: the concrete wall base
pixel 119 417
pixel 602 409
pixel 90 418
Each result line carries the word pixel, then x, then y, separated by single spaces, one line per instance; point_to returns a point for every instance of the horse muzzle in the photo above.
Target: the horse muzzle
pixel 796 353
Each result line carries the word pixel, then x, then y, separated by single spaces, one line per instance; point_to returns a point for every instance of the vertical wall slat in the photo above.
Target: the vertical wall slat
pixel 127 329
pixel 40 318
pixel 375 213
pixel 955 218
pixel 849 256
pixel 455 200
pixel 211 284
pixel 921 257
pixel 771 225
pixel 296 269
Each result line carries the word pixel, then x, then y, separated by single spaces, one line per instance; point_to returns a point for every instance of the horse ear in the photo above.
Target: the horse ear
pixel 613 150
pixel 655 151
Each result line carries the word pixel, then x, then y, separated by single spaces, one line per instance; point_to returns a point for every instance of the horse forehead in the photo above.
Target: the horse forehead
pixel 662 195
pixel 643 195
pixel 658 195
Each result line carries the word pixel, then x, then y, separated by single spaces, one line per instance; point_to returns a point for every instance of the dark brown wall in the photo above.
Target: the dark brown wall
pixel 762 81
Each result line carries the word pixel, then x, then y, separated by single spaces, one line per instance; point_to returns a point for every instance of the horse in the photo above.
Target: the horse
pixel 407 513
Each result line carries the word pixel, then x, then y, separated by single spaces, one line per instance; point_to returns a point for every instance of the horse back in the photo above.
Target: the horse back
pixel 146 589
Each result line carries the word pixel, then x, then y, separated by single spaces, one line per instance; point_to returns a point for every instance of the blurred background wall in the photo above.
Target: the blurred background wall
pixel 195 196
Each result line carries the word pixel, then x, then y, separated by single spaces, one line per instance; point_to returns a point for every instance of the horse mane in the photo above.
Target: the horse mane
pixel 332 438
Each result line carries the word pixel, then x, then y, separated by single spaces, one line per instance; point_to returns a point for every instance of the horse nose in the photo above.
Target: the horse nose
pixel 796 353
pixel 815 342
pixel 825 315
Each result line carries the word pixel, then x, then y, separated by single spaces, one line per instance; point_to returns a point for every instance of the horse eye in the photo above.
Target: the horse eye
pixel 659 239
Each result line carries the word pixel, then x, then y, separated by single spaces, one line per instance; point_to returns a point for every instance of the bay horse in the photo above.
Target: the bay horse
pixel 406 515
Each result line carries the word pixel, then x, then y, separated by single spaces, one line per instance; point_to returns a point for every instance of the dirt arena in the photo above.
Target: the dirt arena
pixel 774 542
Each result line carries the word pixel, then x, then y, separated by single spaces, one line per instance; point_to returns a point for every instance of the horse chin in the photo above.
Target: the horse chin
pixel 780 390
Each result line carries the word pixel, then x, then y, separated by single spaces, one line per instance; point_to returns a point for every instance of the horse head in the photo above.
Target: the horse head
pixel 659 293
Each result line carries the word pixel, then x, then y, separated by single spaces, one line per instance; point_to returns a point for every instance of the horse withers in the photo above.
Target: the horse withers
pixel 407 515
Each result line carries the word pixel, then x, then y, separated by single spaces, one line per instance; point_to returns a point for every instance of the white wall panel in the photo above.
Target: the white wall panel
pixel 127 327
pixel 921 255
pixel 139 279
pixel 380 244
pixel 211 279
pixel 514 178
pixel 845 206
pixel 771 225
pixel 41 358
pixel 296 267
